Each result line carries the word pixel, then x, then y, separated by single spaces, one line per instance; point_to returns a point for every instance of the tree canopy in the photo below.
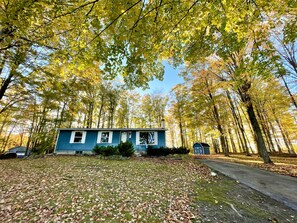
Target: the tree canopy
pixel 68 63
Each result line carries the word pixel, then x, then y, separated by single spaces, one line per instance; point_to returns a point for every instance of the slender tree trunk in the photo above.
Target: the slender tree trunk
pixel 242 148
pixel 275 137
pixel 232 141
pixel 31 132
pixel 269 130
pixel 3 61
pixel 21 138
pixel 8 136
pixel 186 136
pixel 4 122
pixel 215 145
pixel 103 120
pixel 223 140
pixel 62 113
pixel 219 126
pixel 250 128
pixel 181 134
pixel 265 128
pixel 90 114
pixel 100 114
pixel 290 93
pixel 172 136
pixel 284 135
pixel 239 124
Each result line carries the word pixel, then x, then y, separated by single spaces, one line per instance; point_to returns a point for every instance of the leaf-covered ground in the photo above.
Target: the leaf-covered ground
pixel 282 165
pixel 88 189
pixel 75 189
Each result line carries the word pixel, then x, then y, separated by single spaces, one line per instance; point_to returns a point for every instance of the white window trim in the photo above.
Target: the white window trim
pixel 83 140
pixel 138 137
pixel 99 137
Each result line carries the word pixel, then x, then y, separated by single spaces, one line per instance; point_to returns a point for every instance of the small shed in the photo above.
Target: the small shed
pixel 201 148
pixel 19 150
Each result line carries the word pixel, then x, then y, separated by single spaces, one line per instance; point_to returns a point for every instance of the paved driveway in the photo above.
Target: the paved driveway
pixel 279 187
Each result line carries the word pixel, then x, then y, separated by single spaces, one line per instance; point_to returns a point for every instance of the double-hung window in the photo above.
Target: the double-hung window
pixel 146 138
pixel 104 137
pixel 78 137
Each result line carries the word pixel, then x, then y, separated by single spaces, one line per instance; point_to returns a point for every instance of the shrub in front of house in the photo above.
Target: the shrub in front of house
pixel 97 150
pixel 180 150
pixel 157 151
pixel 166 151
pixel 105 150
pixel 126 149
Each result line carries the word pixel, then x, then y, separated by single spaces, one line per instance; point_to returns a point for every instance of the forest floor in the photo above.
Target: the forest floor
pixel 282 165
pixel 89 189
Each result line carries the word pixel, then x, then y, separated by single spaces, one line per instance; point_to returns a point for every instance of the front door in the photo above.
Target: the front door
pixel 124 136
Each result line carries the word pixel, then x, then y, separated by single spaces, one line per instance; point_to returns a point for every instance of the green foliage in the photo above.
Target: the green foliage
pixel 97 150
pixel 105 150
pixel 166 151
pixel 126 149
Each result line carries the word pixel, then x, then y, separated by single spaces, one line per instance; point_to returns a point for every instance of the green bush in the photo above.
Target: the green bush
pixel 105 150
pixel 157 151
pixel 97 150
pixel 180 150
pixel 126 149
pixel 166 151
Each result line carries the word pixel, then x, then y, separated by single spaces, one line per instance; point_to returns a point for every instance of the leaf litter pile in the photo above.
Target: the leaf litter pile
pixel 88 189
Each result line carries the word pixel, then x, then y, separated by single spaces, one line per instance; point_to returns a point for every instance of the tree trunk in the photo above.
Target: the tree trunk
pixel 5 143
pixel 275 137
pixel 239 124
pixel 19 58
pixel 215 145
pixel 232 141
pixel 290 93
pixel 219 126
pixel 90 114
pixel 5 84
pixel 246 98
pixel 285 137
pixel 103 120
pixel 265 128
pixel 181 133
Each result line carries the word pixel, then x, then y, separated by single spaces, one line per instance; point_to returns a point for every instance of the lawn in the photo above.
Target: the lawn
pixel 88 189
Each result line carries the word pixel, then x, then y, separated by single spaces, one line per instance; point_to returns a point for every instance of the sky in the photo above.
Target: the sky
pixel 170 79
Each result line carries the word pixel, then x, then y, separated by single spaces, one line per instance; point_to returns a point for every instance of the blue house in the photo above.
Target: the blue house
pixel 83 140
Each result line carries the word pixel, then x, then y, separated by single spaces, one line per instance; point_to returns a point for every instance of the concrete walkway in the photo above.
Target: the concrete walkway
pixel 279 187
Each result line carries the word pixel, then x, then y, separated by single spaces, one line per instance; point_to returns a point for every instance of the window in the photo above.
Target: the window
pixel 146 138
pixel 78 137
pixel 104 137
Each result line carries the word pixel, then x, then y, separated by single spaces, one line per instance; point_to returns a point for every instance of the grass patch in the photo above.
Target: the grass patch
pixel 88 189
pixel 225 200
pixel 79 188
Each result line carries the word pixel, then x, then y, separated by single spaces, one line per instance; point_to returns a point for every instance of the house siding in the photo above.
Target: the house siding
pixel 63 144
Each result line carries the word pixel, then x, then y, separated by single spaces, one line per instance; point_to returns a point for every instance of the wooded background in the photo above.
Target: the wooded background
pixel 75 63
